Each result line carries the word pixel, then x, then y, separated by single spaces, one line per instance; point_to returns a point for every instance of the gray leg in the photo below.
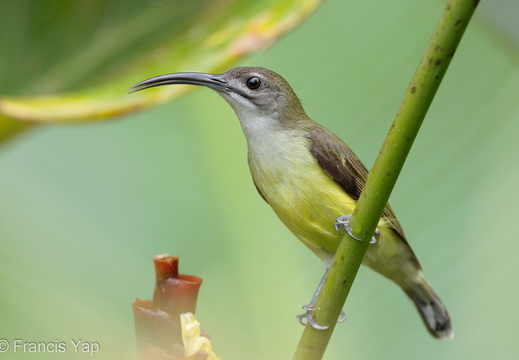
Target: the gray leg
pixel 310 307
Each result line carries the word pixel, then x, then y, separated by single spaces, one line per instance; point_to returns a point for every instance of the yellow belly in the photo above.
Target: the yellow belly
pixel 306 200
pixel 311 211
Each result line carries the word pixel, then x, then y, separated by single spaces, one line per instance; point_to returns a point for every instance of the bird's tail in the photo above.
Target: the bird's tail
pixel 431 309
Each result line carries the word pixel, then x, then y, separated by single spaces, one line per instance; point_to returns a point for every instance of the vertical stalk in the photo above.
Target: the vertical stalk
pixel 384 174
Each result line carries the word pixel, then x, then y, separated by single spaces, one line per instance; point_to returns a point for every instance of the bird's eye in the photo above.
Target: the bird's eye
pixel 253 82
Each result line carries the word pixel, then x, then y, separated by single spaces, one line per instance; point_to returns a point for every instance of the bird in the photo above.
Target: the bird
pixel 312 181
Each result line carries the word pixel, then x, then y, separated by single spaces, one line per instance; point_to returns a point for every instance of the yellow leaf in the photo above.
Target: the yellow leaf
pixel 93 53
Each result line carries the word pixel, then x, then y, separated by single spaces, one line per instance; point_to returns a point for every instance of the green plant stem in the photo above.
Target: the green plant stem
pixel 384 174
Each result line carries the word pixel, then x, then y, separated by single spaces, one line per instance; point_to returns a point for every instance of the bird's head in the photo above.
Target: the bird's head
pixel 256 94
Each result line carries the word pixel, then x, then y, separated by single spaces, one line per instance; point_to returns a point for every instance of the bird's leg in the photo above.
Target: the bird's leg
pixel 310 307
pixel 343 222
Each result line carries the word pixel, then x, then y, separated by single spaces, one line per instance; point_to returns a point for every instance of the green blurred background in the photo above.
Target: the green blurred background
pixel 84 208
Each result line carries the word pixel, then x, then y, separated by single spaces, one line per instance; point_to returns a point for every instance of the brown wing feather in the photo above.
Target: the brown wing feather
pixel 344 167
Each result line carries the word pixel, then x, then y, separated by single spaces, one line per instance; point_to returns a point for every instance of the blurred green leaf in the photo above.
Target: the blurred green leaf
pixel 73 61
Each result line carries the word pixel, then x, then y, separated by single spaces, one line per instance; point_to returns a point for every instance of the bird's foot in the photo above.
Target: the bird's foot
pixel 343 222
pixel 342 317
pixel 307 319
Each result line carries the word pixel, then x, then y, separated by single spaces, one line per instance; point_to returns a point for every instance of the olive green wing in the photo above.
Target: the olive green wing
pixel 340 163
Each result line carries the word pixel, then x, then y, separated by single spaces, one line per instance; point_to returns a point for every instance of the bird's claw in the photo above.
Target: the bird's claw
pixel 342 317
pixel 310 321
pixel 343 222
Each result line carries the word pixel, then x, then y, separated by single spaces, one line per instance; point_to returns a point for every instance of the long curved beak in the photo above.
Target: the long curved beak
pixel 213 81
